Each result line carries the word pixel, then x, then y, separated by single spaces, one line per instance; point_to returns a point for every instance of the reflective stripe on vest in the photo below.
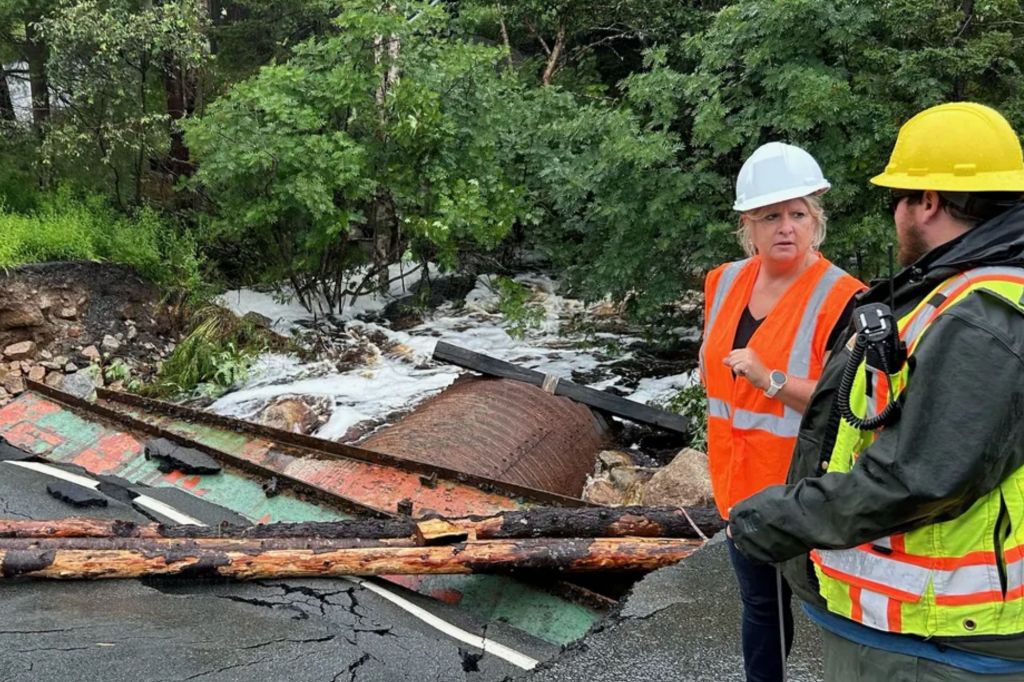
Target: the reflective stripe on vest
pixel 722 290
pixel 902 583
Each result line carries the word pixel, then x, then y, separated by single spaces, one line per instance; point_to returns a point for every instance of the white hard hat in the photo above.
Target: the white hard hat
pixel 777 172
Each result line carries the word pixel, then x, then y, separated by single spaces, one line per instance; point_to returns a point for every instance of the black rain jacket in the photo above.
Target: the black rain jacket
pixel 961 430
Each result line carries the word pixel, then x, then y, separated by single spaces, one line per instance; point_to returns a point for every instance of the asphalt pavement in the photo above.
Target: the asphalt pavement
pixel 679 624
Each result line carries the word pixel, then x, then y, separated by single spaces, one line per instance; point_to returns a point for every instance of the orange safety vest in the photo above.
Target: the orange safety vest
pixel 750 436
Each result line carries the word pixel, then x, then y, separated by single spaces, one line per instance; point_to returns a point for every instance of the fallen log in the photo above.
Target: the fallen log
pixel 247 559
pixel 613 404
pixel 538 522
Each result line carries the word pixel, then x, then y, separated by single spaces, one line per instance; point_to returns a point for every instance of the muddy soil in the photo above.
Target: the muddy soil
pixel 59 318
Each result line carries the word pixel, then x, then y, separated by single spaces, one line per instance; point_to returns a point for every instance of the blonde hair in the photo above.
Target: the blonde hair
pixel 814 209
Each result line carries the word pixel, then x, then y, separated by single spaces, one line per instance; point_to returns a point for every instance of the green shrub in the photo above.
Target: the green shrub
pixel 692 401
pixel 214 356
pixel 514 305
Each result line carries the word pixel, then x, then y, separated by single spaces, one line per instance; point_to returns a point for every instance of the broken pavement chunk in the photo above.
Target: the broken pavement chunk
pixel 173 457
pixel 76 495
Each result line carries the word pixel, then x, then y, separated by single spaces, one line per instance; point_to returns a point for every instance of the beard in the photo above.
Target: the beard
pixel 911 245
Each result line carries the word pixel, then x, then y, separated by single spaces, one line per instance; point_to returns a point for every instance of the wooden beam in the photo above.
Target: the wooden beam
pixel 538 522
pixel 606 402
pixel 96 558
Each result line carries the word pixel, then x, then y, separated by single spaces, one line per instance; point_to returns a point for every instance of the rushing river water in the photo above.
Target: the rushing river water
pixel 373 372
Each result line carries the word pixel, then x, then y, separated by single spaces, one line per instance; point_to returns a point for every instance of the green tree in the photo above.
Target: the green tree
pixel 838 77
pixel 115 68
pixel 371 144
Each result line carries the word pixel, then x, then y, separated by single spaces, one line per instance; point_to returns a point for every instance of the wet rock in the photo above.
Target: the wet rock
pixel 80 384
pixel 67 313
pixel 289 414
pixel 71 368
pixel 54 380
pixel 257 320
pixel 617 479
pixel 602 491
pixel 685 481
pixel 609 459
pixel 110 343
pixel 14 384
pixel 20 351
pixel 60 360
pixel 46 364
pixel 37 374
pixel 45 355
pixel 91 353
pixel 131 333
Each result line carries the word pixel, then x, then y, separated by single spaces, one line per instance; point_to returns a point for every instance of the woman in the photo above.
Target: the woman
pixel 769 322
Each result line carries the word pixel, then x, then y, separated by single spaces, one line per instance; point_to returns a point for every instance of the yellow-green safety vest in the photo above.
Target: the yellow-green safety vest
pixel 962 577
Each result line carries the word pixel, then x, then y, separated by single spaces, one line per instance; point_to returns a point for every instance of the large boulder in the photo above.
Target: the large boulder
pixel 289 414
pixel 684 482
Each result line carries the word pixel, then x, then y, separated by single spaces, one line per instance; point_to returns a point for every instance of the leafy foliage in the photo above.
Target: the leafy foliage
pixel 107 66
pixel 370 141
pixel 213 357
pixel 692 401
pixel 515 306
pixel 335 136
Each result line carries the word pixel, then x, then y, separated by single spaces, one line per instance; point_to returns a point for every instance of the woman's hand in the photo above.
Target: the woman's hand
pixel 745 363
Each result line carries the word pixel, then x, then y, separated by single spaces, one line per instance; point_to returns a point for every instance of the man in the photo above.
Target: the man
pixel 913 513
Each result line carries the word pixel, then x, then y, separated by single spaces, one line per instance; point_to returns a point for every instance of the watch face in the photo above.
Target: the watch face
pixel 778 377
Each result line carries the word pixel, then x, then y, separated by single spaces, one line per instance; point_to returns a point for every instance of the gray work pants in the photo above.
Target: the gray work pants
pixel 847 661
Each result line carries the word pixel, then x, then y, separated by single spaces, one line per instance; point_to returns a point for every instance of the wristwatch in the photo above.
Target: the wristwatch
pixel 776 380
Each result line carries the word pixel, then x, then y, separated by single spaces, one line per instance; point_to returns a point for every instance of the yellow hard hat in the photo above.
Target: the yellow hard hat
pixel 958 147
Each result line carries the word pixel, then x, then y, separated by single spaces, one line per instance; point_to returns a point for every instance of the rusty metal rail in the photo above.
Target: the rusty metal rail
pixel 301 445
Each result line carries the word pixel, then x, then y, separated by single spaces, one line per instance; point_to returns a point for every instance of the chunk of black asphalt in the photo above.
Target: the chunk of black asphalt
pixel 10 453
pixel 173 457
pixel 76 495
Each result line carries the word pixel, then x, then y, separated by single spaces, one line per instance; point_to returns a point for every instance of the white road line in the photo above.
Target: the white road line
pixel 142 500
pixel 487 645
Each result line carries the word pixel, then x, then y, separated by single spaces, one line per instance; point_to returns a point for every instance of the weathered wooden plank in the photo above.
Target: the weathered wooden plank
pixel 613 404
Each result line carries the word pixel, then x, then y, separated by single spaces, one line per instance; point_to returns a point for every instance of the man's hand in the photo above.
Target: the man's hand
pixel 745 363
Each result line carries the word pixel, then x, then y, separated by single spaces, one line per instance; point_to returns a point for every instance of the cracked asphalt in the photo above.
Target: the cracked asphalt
pixel 680 624
pixel 176 630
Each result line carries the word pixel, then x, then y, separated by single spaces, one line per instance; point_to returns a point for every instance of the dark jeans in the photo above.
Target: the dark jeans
pixel 762 652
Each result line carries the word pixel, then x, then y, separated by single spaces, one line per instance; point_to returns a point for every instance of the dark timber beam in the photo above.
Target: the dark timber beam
pixel 606 402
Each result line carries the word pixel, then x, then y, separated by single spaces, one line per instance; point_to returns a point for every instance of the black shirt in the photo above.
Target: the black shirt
pixel 748 325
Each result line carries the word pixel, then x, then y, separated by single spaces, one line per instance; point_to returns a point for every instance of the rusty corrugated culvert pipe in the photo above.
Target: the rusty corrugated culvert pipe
pixel 504 430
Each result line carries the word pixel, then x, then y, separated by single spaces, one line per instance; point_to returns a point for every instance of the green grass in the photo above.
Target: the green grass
pixel 62 227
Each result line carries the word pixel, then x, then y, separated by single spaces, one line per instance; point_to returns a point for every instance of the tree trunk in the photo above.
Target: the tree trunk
pixel 180 87
pixel 6 103
pixel 538 522
pixel 36 54
pixel 554 57
pixel 93 558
